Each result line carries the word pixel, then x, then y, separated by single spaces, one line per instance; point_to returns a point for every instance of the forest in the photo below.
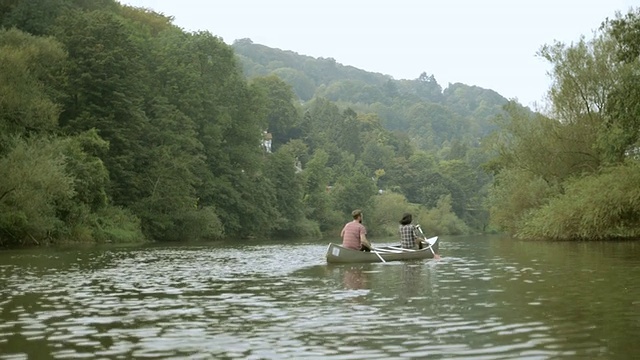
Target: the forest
pixel 117 126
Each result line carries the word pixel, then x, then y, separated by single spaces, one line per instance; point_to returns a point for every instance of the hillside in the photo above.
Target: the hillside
pixel 128 128
pixel 419 106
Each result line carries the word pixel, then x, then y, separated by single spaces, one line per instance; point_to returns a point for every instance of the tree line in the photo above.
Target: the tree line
pixel 118 126
pixel 566 172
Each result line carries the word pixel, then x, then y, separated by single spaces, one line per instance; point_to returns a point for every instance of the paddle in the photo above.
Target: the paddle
pixel 373 250
pixel 380 257
pixel 425 239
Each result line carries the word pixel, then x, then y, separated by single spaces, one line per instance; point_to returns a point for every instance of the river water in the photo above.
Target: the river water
pixel 489 297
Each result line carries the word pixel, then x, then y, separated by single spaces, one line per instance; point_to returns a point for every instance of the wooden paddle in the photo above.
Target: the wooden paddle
pixel 377 253
pixel 425 240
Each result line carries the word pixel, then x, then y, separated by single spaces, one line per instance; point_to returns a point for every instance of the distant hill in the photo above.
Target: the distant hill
pixel 420 106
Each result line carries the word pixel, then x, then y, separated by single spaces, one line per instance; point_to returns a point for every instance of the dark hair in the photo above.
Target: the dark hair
pixel 406 219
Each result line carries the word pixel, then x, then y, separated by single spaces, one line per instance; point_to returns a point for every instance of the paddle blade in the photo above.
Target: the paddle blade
pixel 431 241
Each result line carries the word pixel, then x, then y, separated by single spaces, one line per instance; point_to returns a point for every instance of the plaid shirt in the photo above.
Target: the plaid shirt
pixel 408 237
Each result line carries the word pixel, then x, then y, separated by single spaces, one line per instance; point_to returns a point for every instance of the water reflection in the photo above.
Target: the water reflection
pixel 487 298
pixel 413 281
pixel 355 278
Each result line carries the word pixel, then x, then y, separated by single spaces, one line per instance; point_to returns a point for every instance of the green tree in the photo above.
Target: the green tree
pixel 168 202
pixel 543 146
pixel 600 207
pixel 354 187
pixel 347 135
pixel 320 125
pixel 427 87
pixel 384 217
pixel 105 92
pixel 33 180
pixel 35 17
pixel 91 177
pixel 623 104
pixel 30 83
pixel 550 168
pixel 289 191
pixel 584 75
pixel 317 199
pixel 88 216
pixel 278 109
pixel 301 84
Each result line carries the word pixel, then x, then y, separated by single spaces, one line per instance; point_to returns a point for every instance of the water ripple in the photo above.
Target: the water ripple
pixel 279 302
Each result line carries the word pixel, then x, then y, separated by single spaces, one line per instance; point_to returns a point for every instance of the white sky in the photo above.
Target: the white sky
pixel 488 43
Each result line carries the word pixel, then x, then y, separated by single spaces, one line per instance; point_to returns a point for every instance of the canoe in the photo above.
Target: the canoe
pixel 339 254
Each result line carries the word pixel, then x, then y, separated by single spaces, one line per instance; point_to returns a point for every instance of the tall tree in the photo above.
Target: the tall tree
pixel 226 114
pixel 354 187
pixel 31 80
pixel 106 90
pixel 560 166
pixel 289 192
pixel 278 109
pixel 623 103
pixel 317 199
pixel 33 16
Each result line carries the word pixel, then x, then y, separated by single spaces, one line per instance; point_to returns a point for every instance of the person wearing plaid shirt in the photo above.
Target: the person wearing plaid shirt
pixel 409 238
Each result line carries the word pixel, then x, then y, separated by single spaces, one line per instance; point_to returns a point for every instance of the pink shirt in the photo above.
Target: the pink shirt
pixel 352 233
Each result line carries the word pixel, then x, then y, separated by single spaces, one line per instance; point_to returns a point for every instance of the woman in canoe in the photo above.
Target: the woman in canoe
pixel 409 238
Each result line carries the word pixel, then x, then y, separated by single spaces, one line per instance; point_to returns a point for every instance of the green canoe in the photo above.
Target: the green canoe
pixel 339 254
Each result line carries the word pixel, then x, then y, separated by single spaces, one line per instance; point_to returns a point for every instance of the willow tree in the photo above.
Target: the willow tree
pixel 554 171
pixel 585 74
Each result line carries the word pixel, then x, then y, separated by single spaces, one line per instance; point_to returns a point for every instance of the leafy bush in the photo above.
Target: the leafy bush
pixel 117 225
pixel 600 206
pixel 515 193
pixel 32 182
pixel 389 208
pixel 383 219
pixel 441 220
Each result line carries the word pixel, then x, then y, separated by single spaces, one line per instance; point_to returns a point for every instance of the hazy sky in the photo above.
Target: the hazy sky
pixel 488 43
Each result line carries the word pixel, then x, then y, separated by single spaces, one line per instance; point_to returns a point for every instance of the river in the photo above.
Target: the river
pixel 489 297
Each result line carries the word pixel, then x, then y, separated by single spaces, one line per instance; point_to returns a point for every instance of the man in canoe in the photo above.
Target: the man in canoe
pixel 354 234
